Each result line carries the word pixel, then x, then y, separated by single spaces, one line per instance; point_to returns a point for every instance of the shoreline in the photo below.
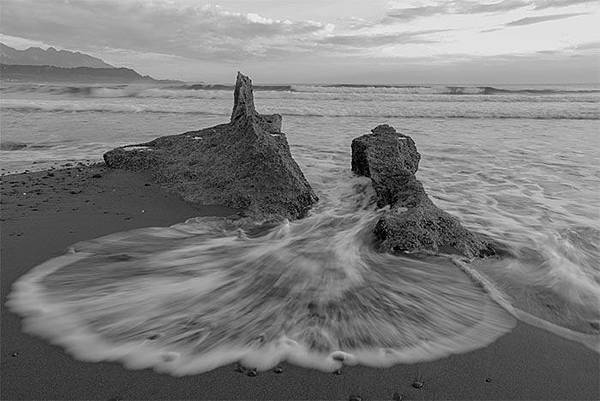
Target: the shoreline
pixel 45 212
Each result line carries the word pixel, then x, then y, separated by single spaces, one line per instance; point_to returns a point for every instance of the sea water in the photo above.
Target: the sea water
pixel 518 163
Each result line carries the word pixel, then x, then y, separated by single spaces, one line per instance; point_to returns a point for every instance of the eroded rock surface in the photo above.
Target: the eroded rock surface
pixel 245 164
pixel 412 223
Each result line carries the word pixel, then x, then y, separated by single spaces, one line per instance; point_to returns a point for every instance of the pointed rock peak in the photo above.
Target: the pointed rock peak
pixel 243 99
pixel 384 129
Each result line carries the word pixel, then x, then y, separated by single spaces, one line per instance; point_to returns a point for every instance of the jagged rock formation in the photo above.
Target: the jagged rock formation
pixel 412 223
pixel 245 164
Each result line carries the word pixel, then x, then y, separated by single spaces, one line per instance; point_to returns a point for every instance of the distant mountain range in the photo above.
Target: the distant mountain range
pixel 48 73
pixel 51 65
pixel 51 56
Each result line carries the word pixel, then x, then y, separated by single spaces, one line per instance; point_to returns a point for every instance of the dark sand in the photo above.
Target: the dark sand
pixel 42 215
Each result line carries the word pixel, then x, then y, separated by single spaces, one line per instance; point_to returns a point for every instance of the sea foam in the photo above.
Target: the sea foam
pixel 208 292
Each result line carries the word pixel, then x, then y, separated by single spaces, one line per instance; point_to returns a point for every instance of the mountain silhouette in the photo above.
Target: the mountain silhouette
pixel 50 56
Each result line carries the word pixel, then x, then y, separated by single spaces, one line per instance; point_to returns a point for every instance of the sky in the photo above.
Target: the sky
pixel 323 41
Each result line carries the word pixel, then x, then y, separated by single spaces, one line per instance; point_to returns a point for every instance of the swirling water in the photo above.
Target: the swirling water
pixel 520 166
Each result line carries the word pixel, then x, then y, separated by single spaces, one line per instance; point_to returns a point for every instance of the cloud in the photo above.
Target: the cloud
pixel 589 46
pixel 156 27
pixel 541 18
pixel 407 14
pixel 21 43
pixel 543 4
pixel 177 38
pixel 475 7
pixel 368 40
pixel 478 7
pixel 490 30
pixel 455 7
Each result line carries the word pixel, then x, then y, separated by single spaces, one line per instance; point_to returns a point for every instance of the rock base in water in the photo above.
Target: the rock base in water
pixel 245 164
pixel 412 223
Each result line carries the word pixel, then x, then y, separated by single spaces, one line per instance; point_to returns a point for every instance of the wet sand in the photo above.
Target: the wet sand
pixel 45 212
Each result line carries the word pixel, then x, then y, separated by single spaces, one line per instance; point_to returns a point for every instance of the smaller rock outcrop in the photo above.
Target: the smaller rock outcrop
pixel 245 164
pixel 413 223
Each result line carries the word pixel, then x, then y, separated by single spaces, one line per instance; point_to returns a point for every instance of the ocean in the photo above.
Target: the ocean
pixel 518 163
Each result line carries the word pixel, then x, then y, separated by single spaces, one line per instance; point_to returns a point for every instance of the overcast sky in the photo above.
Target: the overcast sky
pixel 369 41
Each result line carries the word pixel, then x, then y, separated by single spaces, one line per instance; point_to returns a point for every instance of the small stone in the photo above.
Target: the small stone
pixel 15 354
pixel 488 379
pixel 251 373
pixel 338 372
pixel 278 370
pixel 355 398
pixel 418 384
pixel 239 368
pixel 397 396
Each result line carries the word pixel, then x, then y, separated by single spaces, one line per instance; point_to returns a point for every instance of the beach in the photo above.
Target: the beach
pixel 319 201
pixel 43 213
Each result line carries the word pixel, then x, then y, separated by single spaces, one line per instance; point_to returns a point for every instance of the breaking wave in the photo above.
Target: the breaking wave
pixel 45 106
pixel 193 90
pixel 12 145
pixel 440 89
pixel 9 146
pixel 559 112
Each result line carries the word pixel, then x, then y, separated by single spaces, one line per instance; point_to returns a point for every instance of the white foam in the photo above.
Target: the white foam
pixel 199 295
pixel 57 323
pixel 209 292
